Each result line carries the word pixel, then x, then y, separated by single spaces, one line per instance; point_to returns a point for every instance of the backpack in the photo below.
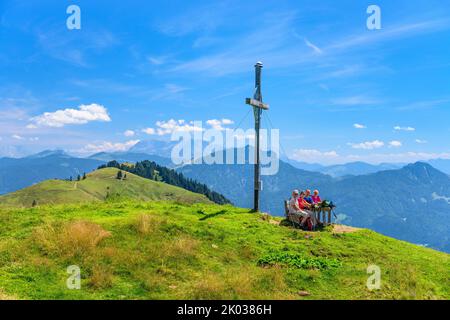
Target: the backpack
pixel 309 224
pixel 327 204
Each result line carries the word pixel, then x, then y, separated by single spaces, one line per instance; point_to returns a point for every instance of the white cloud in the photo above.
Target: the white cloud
pixel 82 115
pixel 359 126
pixel 315 48
pixel 312 155
pixel 107 146
pixel 31 126
pixel 149 131
pixel 395 144
pixel 168 127
pixel 218 124
pixel 129 133
pixel 420 141
pixel 398 128
pixel 17 137
pixel 436 196
pixel 33 139
pixel 368 145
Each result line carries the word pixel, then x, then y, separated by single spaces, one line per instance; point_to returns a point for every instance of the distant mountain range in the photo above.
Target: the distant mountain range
pixel 411 203
pixel 19 173
pixel 16 174
pixel 154 147
pixel 347 169
pixel 131 157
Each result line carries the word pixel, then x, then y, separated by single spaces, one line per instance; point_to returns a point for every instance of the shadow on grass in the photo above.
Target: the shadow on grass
pixel 212 215
pixel 289 224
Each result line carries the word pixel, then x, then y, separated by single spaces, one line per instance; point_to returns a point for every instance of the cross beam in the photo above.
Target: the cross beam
pixel 258 107
pixel 256 103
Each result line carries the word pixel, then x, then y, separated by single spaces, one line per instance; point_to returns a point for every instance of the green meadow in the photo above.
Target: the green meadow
pixel 169 250
pixel 142 239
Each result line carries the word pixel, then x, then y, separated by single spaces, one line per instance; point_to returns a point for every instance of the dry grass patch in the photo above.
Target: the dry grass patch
pixel 182 247
pixel 78 238
pixel 146 224
pixel 339 228
pixel 4 296
pixel 209 287
pixel 101 277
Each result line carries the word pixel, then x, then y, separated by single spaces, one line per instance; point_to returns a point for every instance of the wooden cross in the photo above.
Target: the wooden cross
pixel 258 106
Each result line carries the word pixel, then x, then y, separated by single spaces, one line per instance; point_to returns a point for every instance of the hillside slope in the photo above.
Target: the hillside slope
pixel 162 250
pixel 100 185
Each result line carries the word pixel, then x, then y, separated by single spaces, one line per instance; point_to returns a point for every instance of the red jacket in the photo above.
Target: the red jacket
pixel 302 203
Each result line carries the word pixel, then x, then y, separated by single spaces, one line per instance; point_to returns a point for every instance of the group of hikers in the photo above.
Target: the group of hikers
pixel 301 208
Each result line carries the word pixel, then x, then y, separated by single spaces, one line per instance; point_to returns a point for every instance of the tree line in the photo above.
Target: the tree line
pixel 150 170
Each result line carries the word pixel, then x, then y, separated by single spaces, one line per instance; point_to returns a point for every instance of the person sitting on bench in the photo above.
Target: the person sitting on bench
pixel 316 197
pixel 297 215
pixel 308 196
pixel 293 202
pixel 306 207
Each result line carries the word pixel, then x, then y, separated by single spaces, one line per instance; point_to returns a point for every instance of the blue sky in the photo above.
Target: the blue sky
pixel 338 92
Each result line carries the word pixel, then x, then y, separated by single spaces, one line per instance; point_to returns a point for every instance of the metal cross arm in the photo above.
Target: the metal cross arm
pixel 257 104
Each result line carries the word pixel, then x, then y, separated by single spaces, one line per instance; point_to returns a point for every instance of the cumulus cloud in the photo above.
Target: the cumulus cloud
pixel 149 131
pixel 359 126
pixel 107 146
pixel 82 115
pixel 420 141
pixel 368 145
pixel 219 124
pixel 168 127
pixel 129 133
pixel 398 128
pixel 17 137
pixel 395 144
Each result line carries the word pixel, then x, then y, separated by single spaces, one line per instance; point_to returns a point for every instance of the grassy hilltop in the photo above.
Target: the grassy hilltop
pixel 181 246
pixel 100 185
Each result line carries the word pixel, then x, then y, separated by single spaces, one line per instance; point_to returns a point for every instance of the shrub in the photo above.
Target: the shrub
pixel 296 260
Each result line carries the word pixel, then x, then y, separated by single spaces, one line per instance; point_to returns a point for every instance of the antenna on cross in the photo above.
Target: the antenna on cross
pixel 258 106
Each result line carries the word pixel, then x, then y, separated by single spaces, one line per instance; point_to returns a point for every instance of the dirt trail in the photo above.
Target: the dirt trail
pixel 339 228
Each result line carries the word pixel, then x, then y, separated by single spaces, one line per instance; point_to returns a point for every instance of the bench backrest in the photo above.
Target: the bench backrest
pixel 286 207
